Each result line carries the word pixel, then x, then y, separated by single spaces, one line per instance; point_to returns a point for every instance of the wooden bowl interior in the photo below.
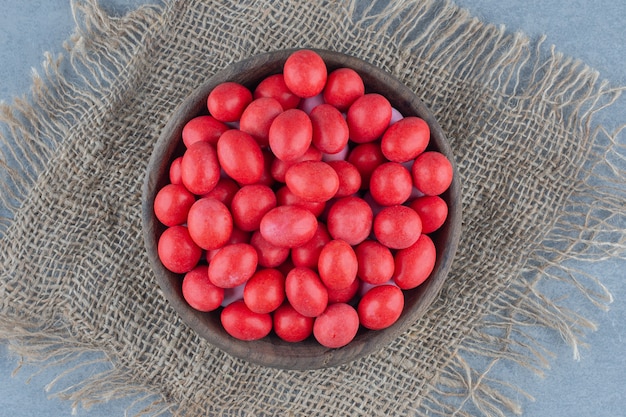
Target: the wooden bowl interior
pixel 271 351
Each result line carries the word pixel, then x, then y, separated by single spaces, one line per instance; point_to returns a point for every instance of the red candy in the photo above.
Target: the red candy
pixel 274 86
pixel 432 173
pixel 350 219
pixel 285 197
pixel 414 264
pixel 330 130
pixel 308 253
pixel 366 158
pixel 244 324
pixel 224 191
pixel 343 87
pixel 397 227
pixel 306 292
pixel 344 295
pixel 290 325
pixel 312 181
pixel 288 226
pixel 349 178
pixel 270 256
pixel 290 135
pixel 432 210
pixel 203 128
pixel 265 291
pixel 175 171
pixel 380 307
pixel 390 184
pixel 233 265
pixel 240 156
pixel 368 117
pixel 227 101
pixel 305 73
pixel 337 265
pixel 250 204
pixel 177 251
pixel 405 140
pixel 199 292
pixel 337 326
pixel 172 203
pixel 210 223
pixel 376 263
pixel 200 168
pixel 257 118
pixel 303 197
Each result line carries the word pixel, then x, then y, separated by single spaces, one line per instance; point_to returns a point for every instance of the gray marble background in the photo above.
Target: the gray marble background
pixel 593 31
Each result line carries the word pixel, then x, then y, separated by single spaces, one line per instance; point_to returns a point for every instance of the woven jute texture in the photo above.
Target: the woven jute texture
pixel 538 184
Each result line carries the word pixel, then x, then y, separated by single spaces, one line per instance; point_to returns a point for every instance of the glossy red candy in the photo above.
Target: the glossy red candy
pixel 405 139
pixel 210 223
pixel 344 295
pixel 257 118
pixel 390 184
pixel 366 158
pixel 177 251
pixel 290 325
pixel 349 178
pixel 285 197
pixel 336 326
pixel 312 181
pixel 274 86
pixel 288 226
pixel 432 173
pixel 290 134
pixel 432 210
pixel 376 263
pixel 368 117
pixel 233 265
pixel 175 173
pixel 266 177
pixel 306 292
pixel 240 156
pixel 203 128
pixel 264 291
pixel 242 323
pixel 200 168
pixel 343 87
pixel 270 256
pixel 224 191
pixel 227 101
pixel 330 129
pixel 305 73
pixel 172 203
pixel 199 292
pixel 236 236
pixel 250 204
pixel 350 219
pixel 380 307
pixel 279 167
pixel 308 253
pixel 337 265
pixel 414 264
pixel 397 227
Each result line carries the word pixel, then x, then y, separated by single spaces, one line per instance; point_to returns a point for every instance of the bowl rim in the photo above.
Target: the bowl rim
pixel 271 351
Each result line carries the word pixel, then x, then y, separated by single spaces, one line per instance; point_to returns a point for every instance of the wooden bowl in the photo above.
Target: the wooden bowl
pixel 271 351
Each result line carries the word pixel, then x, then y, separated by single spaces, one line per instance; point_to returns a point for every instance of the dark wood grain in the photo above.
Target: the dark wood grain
pixel 271 351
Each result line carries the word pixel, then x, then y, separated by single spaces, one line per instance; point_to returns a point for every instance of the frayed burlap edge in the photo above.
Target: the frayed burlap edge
pixel 38 130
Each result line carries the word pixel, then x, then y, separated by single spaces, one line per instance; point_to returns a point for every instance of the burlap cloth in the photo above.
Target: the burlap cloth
pixel 539 190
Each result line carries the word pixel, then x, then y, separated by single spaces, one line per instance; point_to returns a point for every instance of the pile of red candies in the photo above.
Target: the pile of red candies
pixel 303 206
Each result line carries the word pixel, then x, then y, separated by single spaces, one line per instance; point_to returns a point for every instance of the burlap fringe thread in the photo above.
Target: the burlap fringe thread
pixel 34 128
